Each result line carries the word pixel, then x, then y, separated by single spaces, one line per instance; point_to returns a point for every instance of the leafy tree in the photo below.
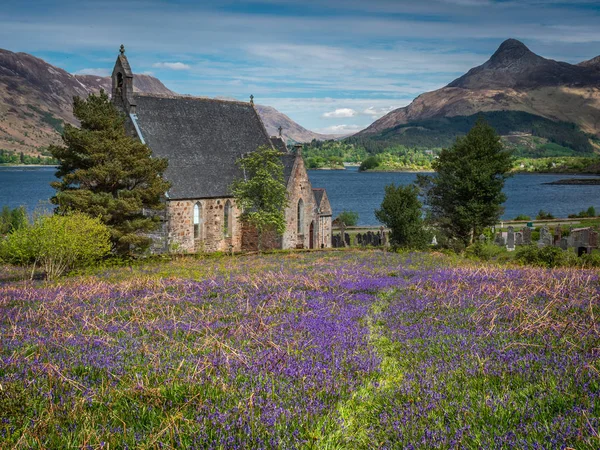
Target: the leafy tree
pixel 466 195
pixel 544 215
pixel 370 163
pixel 57 243
pixel 108 174
pixel 261 194
pixel 12 219
pixel 401 212
pixel 348 218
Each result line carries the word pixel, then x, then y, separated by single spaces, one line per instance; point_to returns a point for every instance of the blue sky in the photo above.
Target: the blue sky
pixel 332 66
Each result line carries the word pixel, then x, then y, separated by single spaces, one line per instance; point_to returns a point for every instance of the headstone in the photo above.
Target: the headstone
pixel 510 239
pixel 482 238
pixel 557 234
pixel 526 236
pixel 519 238
pixel 359 239
pixel 434 240
pixel 347 239
pixel 383 237
pixel 570 241
pixel 376 240
pixel 499 240
pixel 369 238
pixel 564 243
pixel 545 237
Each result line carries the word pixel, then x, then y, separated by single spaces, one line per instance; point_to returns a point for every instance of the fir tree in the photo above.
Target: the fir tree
pixel 108 174
pixel 466 195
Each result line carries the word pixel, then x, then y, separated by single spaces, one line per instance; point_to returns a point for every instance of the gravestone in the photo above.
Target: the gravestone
pixel 376 240
pixel 347 239
pixel 482 238
pixel 500 240
pixel 519 238
pixel 369 238
pixel 359 239
pixel 564 243
pixel 557 234
pixel 570 241
pixel 434 240
pixel 510 239
pixel 526 235
pixel 545 237
pixel 383 237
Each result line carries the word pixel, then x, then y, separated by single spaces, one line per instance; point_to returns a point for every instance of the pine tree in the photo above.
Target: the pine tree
pixel 466 195
pixel 108 174
pixel 262 194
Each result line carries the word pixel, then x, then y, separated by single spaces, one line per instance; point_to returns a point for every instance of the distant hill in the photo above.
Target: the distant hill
pixel 36 99
pixel 513 79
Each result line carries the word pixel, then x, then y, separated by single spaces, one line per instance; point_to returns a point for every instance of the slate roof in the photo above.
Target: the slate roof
pixel 279 144
pixel 318 195
pixel 202 139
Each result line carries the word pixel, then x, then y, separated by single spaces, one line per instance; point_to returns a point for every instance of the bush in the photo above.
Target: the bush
pixel 349 218
pixel 12 219
pixel 522 217
pixel 546 256
pixel 590 212
pixel 371 162
pixel 543 215
pixel 57 243
pixel 484 251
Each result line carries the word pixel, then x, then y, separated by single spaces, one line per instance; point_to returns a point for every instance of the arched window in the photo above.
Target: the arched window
pixel 197 220
pixel 300 216
pixel 227 219
pixel 119 82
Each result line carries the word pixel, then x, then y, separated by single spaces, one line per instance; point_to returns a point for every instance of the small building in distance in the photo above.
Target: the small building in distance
pixel 202 139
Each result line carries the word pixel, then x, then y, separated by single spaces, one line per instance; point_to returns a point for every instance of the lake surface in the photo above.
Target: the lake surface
pixel 347 190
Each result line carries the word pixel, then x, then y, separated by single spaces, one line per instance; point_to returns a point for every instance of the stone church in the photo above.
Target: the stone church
pixel 202 139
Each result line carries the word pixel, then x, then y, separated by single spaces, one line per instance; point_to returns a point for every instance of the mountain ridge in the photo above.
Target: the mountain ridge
pixel 37 97
pixel 512 79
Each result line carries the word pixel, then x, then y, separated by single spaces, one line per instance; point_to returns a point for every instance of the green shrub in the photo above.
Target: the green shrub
pixel 12 219
pixel 544 215
pixel 371 162
pixel 349 218
pixel 57 243
pixel 546 256
pixel 484 251
pixel 522 217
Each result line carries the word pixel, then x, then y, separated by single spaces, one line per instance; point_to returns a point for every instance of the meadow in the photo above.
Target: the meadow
pixel 320 350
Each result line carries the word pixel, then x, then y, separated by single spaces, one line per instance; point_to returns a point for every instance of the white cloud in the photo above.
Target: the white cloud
pixel 172 66
pixel 377 112
pixel 340 112
pixel 103 72
pixel 340 129
pixel 148 72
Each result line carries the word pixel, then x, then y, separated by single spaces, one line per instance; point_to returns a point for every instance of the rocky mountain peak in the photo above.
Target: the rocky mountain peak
pixel 593 63
pixel 511 51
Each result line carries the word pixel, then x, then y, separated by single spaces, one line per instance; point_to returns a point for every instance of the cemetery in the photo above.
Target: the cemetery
pixel 581 240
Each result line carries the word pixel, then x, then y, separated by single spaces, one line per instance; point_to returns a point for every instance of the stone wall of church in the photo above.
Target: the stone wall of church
pixel 325 232
pixel 211 236
pixel 300 189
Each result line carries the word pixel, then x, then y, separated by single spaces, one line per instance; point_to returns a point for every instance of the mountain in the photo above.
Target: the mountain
pixel 291 131
pixel 36 98
pixel 513 79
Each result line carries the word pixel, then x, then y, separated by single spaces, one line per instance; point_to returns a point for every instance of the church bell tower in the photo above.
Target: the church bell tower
pixel 122 84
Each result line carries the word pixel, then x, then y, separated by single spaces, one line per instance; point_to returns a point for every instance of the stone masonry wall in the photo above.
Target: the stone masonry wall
pixel 299 189
pixel 211 238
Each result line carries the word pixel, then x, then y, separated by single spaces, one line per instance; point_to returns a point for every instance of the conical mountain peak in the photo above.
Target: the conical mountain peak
pixel 512 50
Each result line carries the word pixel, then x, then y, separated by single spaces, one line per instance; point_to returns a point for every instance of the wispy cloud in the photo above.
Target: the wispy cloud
pixel 171 65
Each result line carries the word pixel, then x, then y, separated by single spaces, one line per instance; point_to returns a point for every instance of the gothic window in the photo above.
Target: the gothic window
pixel 300 217
pixel 197 220
pixel 227 219
pixel 119 82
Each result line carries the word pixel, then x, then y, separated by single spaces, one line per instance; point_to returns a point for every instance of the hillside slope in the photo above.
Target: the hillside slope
pixel 513 79
pixel 36 98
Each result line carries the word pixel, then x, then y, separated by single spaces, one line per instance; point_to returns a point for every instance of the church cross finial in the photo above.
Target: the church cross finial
pixel 122 49
pixel 280 130
pixel 251 99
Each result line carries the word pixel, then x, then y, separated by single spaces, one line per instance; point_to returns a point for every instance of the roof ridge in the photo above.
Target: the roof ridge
pixel 189 97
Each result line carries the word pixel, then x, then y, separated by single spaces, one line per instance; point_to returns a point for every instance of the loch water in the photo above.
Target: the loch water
pixel 347 190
